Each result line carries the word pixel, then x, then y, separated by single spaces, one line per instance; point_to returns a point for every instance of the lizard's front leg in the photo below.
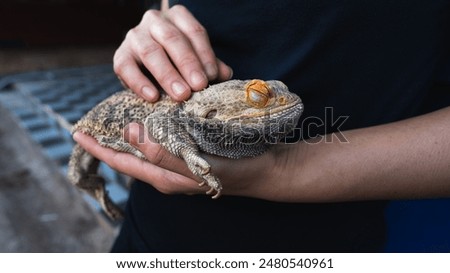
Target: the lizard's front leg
pixel 173 136
pixel 201 168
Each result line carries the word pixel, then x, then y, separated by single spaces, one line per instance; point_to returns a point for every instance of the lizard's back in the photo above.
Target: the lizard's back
pixel 111 115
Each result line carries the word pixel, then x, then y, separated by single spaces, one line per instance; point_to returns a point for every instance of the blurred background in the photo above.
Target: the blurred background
pixel 56 61
pixel 40 34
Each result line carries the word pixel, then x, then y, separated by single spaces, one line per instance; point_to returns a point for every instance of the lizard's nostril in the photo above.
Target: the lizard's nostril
pixel 211 114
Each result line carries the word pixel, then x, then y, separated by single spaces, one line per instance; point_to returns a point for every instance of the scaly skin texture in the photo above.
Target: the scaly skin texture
pixel 233 119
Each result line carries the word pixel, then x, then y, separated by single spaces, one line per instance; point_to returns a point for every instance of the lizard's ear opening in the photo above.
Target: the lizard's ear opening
pixel 211 114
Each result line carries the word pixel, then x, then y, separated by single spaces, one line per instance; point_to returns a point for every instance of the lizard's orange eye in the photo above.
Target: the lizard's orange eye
pixel 257 93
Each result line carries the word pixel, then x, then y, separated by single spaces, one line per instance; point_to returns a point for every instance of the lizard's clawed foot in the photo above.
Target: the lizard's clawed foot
pixel 211 190
pixel 202 169
pixel 215 196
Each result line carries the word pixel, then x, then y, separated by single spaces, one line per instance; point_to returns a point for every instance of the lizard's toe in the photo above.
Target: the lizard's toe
pixel 211 191
pixel 203 167
pixel 217 195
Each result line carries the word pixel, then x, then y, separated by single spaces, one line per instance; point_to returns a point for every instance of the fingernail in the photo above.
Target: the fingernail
pixel 148 93
pixel 178 89
pixel 76 135
pixel 211 71
pixel 198 78
pixel 231 73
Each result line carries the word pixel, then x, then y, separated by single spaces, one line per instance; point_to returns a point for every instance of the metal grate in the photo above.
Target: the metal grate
pixel 33 97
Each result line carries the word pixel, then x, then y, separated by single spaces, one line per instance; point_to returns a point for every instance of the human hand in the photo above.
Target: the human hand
pixel 170 174
pixel 174 47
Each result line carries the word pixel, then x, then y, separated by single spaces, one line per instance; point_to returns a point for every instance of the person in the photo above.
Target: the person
pixel 374 77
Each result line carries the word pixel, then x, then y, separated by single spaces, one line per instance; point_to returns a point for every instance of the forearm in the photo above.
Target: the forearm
pixel 400 160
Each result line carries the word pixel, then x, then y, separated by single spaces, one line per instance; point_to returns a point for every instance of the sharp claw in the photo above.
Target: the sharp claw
pixel 202 184
pixel 211 190
pixel 217 195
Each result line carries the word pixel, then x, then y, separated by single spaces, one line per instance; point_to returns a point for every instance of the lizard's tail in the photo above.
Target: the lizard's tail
pixel 82 172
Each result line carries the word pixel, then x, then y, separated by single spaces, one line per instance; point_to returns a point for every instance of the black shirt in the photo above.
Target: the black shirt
pixel 370 61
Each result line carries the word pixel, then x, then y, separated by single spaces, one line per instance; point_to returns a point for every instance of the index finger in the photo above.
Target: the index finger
pixel 198 37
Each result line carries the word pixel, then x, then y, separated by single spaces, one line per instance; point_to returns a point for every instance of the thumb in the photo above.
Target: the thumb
pixel 135 134
pixel 138 136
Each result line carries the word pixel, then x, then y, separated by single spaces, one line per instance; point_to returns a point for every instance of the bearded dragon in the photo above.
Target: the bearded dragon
pixel 233 119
